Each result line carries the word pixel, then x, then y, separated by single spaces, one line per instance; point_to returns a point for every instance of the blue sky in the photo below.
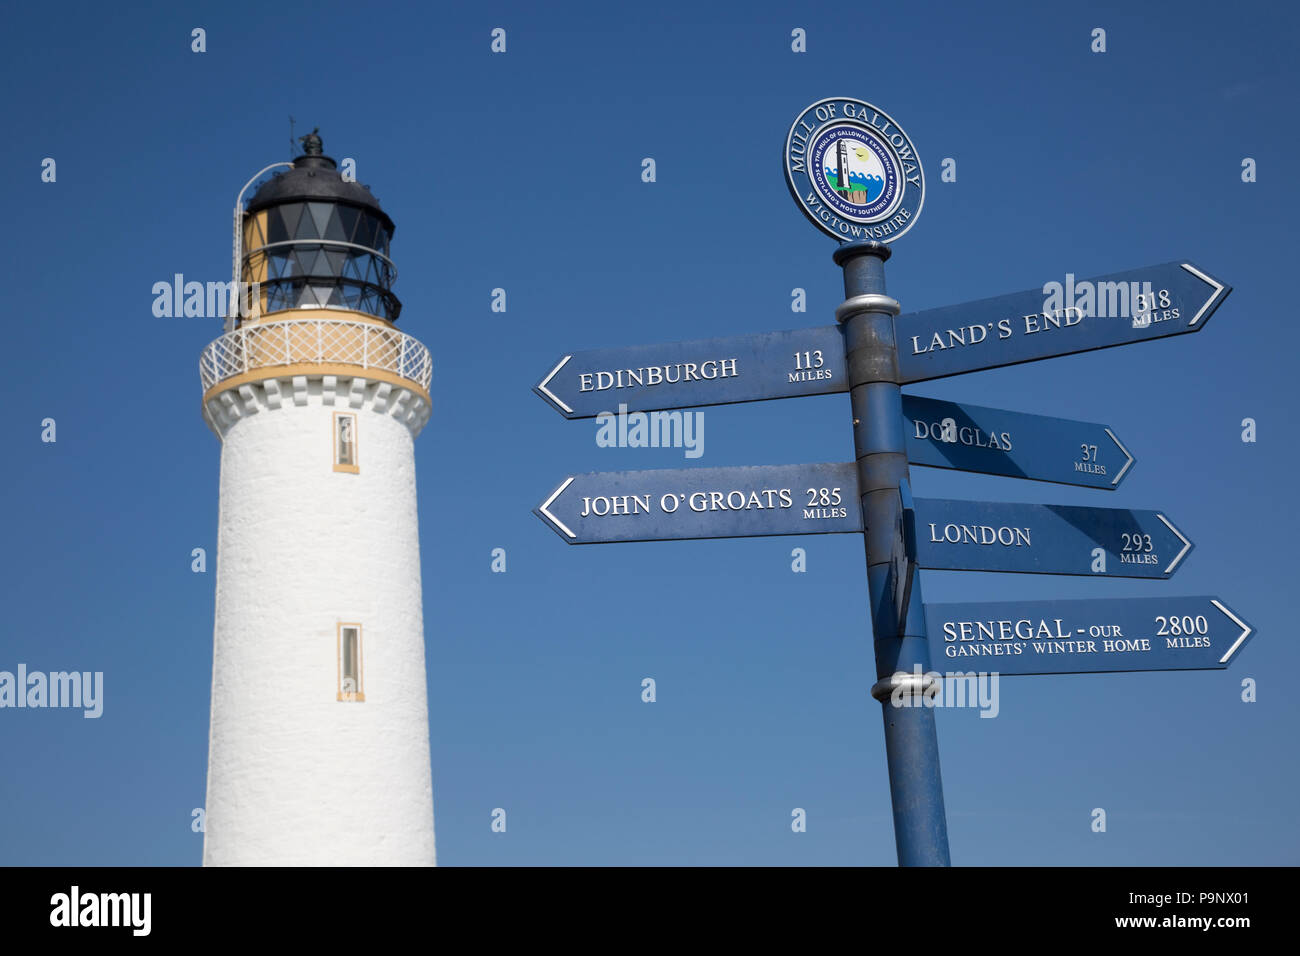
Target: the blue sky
pixel 522 171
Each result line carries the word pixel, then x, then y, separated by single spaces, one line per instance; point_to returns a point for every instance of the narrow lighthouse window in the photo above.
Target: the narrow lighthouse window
pixel 345 442
pixel 349 641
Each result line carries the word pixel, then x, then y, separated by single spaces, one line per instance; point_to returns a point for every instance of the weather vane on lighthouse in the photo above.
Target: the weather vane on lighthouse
pixel 319 740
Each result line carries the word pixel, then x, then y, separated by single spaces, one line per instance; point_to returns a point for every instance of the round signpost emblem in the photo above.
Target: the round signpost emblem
pixel 853 171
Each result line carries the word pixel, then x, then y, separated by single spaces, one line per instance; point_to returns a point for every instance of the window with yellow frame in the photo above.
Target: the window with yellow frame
pixel 344 437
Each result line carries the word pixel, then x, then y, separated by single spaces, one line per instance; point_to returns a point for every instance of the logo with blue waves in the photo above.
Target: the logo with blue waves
pixel 853 171
pixel 861 188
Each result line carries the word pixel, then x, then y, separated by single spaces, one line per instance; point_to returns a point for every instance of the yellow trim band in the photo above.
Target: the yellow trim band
pixel 314 369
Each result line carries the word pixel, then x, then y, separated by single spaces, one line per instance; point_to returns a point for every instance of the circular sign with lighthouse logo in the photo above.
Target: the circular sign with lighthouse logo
pixel 853 171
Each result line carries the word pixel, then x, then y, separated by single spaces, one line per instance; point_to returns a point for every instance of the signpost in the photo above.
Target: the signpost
pixel 857 176
pixel 704 503
pixel 743 368
pixel 1059 318
pixel 1081 637
pixel 996 442
pixel 1046 539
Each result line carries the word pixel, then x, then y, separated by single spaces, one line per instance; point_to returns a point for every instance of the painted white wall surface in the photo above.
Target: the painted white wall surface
pixel 296 777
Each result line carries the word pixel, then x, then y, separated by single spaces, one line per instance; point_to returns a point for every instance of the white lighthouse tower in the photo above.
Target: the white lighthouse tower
pixel 319 746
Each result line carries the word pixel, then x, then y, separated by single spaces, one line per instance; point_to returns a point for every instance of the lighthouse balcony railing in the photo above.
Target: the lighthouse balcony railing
pixel 315 342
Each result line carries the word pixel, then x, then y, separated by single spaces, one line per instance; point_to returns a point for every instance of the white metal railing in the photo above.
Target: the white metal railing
pixel 315 341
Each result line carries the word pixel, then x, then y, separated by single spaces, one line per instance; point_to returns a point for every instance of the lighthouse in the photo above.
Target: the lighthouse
pixel 319 738
pixel 842 174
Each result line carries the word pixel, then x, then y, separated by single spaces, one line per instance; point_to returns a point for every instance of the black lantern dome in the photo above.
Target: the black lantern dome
pixel 314 240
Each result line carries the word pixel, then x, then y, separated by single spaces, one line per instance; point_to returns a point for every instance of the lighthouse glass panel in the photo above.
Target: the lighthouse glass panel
pixel 315 255
pixel 345 442
pixel 350 663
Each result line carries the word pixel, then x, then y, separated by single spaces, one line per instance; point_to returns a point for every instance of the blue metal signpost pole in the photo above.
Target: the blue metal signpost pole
pixel 902 648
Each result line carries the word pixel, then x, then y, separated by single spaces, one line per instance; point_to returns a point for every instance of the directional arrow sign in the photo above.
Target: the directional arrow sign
pixel 1080 637
pixel 1057 319
pixel 745 368
pixel 1046 539
pixel 996 442
pixel 704 503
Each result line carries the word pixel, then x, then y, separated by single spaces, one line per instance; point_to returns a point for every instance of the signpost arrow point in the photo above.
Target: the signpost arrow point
pixel 1187 545
pixel 1218 288
pixel 550 396
pixel 1128 464
pixel 1246 630
pixel 544 512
